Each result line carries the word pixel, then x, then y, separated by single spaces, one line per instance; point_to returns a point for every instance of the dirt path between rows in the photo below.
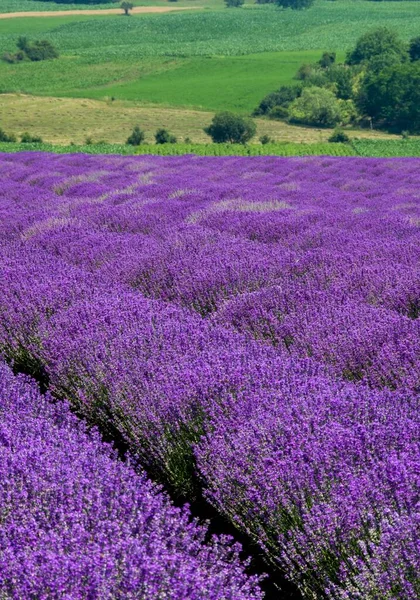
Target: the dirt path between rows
pixel 106 11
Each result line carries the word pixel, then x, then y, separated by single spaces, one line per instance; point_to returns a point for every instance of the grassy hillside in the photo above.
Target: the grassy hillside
pixel 65 120
pixel 208 59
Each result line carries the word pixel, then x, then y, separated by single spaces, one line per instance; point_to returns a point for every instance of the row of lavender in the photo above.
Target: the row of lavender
pixel 76 523
pixel 111 264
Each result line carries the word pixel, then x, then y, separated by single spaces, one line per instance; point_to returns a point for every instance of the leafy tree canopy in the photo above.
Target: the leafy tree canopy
pixel 379 42
pixel 226 127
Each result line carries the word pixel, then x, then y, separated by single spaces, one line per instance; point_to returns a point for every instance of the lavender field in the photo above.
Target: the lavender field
pixel 248 329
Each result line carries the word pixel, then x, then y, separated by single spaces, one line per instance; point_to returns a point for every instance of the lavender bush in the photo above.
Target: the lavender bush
pixel 78 523
pixel 246 325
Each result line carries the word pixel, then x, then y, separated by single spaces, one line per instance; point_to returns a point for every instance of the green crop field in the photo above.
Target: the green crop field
pixel 385 148
pixel 366 148
pixel 288 149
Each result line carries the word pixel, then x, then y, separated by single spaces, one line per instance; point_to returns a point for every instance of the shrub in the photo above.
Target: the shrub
pixel 4 137
pixel 41 50
pixel 234 3
pixel 137 137
pixel 304 72
pixel 162 136
pixel 339 136
pixel 316 106
pixel 14 58
pixel 27 138
pixel 34 51
pixel 266 139
pixel 282 97
pixel 230 128
pixel 278 113
pixel 379 42
pixel 327 59
pixel 295 4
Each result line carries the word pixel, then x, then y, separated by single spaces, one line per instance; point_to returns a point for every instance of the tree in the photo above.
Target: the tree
pixel 35 51
pixel 379 42
pixel 295 4
pixel 342 78
pixel 282 97
pixel 4 137
pixel 27 138
pixel 127 6
pixel 162 136
pixel 327 60
pixel 137 137
pixel 339 137
pixel 392 97
pixel 266 139
pixel 231 128
pixel 414 49
pixel 41 50
pixel 316 106
pixel 234 3
pixel 22 43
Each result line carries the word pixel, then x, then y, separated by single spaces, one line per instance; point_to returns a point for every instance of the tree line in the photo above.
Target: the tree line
pixel 378 85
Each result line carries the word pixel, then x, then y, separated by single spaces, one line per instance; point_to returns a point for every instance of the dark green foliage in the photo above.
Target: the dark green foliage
pixel 41 50
pixel 327 60
pixel 278 113
pixel 126 7
pixel 295 4
pixel 379 42
pixel 266 139
pixel 17 57
pixel 162 136
pixel 392 97
pixel 339 137
pixel 227 127
pixel 27 138
pixel 304 72
pixel 234 3
pixel 414 50
pixel 282 97
pixel 342 77
pixel 34 51
pixel 22 43
pixel 4 137
pixel 137 137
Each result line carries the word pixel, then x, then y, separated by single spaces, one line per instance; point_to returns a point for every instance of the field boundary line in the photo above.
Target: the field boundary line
pixel 95 12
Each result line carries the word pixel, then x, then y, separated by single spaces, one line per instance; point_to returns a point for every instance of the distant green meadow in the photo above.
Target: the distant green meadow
pixel 206 59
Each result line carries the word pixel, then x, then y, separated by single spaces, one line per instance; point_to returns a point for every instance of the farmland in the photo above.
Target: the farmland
pixel 249 329
pixel 209 348
pixel 208 59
